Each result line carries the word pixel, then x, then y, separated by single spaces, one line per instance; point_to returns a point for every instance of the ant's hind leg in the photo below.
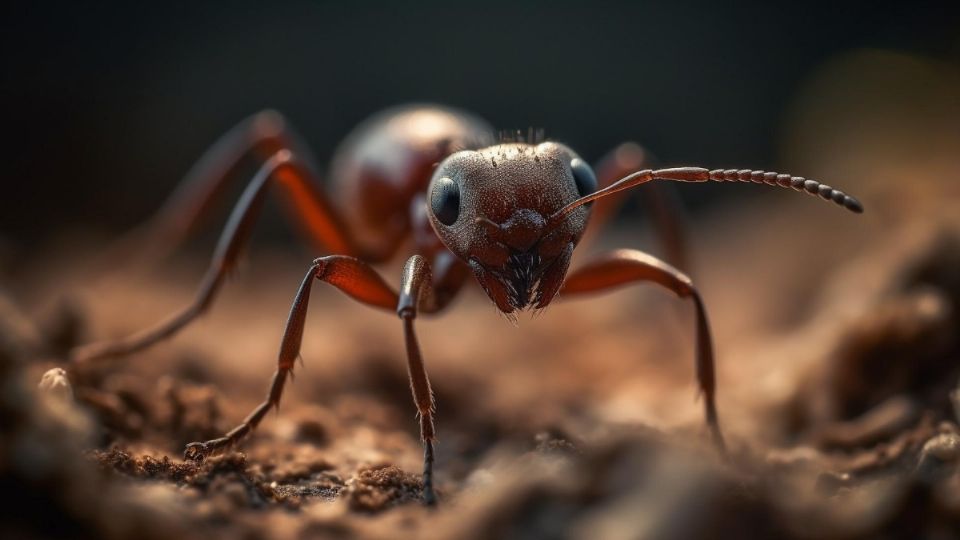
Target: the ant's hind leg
pixel 627 266
pixel 317 215
pixel 261 136
pixel 350 275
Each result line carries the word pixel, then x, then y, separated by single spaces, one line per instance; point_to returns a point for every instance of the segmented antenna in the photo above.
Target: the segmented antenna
pixel 698 174
pixel 797 183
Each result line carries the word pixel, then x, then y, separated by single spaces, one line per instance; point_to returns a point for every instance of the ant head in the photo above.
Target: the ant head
pixel 491 208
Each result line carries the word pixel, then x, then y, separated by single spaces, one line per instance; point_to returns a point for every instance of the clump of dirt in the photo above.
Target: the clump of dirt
pixel 145 466
pixel 896 361
pixel 380 487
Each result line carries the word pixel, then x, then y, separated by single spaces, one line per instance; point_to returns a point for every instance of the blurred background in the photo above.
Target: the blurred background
pixel 105 107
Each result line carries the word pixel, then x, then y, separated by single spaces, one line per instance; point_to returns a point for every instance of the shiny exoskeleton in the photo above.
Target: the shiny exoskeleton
pixel 435 179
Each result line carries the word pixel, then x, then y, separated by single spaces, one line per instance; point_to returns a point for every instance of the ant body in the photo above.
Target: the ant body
pixel 511 214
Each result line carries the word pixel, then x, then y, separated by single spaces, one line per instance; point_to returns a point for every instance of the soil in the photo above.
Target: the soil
pixel 838 362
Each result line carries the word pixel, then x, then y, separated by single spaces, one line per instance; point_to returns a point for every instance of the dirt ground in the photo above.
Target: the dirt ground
pixel 835 380
pixel 838 364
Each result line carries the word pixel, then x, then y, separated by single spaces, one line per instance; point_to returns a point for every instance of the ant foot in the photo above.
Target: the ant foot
pixel 429 497
pixel 198 451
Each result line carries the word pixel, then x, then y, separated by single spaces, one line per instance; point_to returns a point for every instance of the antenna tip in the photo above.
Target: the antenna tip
pixel 852 204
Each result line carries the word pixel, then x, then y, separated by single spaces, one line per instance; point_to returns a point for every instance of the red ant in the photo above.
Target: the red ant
pixel 509 213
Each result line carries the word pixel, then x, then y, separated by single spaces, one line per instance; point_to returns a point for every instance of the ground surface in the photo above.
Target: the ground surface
pixel 582 422
pixel 838 361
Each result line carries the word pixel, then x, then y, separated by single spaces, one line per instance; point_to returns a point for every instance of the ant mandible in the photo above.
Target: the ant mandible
pixel 510 213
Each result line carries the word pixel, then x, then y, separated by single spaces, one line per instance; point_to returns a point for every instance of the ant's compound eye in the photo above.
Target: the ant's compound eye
pixel 445 200
pixel 583 176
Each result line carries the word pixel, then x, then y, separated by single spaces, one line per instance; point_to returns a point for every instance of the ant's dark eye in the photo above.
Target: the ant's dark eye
pixel 445 201
pixel 583 176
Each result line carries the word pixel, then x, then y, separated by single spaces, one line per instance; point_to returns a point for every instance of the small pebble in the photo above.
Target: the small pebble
pixel 55 382
pixel 944 447
pixel 938 455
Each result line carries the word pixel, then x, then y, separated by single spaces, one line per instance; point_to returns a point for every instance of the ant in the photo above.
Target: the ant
pixel 508 212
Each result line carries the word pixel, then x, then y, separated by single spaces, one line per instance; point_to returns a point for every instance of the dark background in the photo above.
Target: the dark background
pixel 105 108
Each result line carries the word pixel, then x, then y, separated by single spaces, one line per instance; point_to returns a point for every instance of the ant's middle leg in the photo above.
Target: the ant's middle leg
pixel 318 216
pixel 660 200
pixel 348 274
pixel 627 266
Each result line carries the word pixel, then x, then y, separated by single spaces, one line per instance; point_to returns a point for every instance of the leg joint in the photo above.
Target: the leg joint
pixel 319 266
pixel 268 124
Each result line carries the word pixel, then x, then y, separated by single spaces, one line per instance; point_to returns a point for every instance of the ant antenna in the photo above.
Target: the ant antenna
pixel 697 174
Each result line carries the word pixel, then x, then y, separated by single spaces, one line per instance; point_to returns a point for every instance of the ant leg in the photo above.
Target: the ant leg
pixel 292 175
pixel 626 266
pixel 352 276
pixel 261 135
pixel 416 289
pixel 660 201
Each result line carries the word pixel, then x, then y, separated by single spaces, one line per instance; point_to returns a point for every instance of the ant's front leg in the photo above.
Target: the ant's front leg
pixel 420 292
pixel 626 266
pixel 350 275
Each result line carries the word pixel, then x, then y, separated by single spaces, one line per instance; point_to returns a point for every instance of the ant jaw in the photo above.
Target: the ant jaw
pixel 525 281
pixel 553 276
pixel 494 287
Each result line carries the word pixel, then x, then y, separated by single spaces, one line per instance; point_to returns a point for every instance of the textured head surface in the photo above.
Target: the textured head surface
pixel 490 208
